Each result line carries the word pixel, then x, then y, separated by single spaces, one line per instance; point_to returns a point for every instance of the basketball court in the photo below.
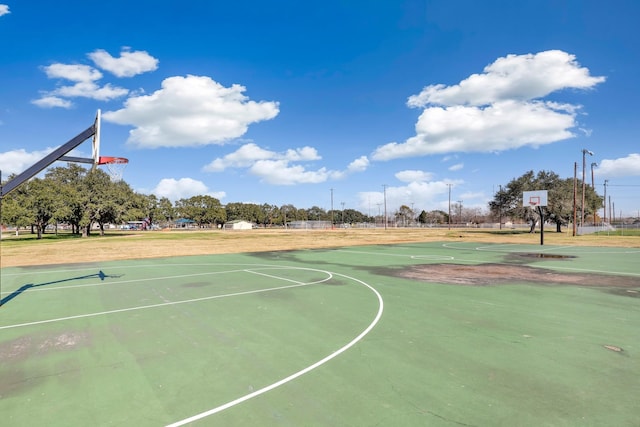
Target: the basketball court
pixel 375 335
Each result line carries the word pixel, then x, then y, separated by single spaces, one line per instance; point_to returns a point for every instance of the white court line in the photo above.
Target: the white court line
pixel 120 282
pixel 144 307
pixel 433 257
pixel 146 279
pixel 297 374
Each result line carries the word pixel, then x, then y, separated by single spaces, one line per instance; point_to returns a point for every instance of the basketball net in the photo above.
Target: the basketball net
pixel 115 167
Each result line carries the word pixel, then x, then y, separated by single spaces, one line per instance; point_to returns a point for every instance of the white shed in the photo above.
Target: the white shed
pixel 238 225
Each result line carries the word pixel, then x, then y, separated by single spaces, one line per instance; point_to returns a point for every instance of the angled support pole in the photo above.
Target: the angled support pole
pixel 57 154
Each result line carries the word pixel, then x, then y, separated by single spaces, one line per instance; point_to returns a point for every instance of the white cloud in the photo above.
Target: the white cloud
pixel 358 165
pixel 128 64
pixel 503 126
pixel 52 102
pixel 624 166
pixel 279 168
pixel 280 172
pixel 245 156
pixel 91 90
pixel 84 78
pixel 73 72
pixel 4 9
pixel 514 77
pixel 183 188
pixel 16 161
pixel 190 111
pixel 414 176
pixel 497 110
pixel 456 167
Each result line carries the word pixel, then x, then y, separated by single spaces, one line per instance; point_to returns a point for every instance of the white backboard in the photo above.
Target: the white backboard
pixel 534 198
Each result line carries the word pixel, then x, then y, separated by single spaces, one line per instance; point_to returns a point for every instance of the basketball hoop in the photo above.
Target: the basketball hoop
pixel 115 166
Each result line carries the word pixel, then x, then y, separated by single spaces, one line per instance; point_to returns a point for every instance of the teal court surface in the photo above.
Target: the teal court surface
pixel 431 334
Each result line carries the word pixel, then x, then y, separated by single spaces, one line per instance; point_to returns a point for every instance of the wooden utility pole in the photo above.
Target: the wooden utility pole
pixel 575 195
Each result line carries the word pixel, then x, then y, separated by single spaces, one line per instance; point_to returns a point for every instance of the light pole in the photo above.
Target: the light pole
pixel 593 187
pixel 584 160
pixel 384 187
pixel 605 201
pixel 332 208
pixel 449 185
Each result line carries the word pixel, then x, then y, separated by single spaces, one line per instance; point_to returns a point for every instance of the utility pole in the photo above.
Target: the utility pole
pixel 584 160
pixel 575 195
pixel 605 201
pixel 449 185
pixel 384 188
pixel 332 208
pixel 500 207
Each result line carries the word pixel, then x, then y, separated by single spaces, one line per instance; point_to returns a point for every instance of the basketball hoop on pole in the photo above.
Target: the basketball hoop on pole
pixel 536 199
pixel 115 166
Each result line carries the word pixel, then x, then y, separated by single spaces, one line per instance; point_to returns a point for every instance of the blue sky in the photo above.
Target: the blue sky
pixel 284 102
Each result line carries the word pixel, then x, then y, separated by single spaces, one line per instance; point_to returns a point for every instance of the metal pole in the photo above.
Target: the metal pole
pixel 500 208
pixel 575 195
pixel 384 187
pixel 584 161
pixel 449 206
pixel 541 225
pixel 605 201
pixel 332 208
pixel 1 196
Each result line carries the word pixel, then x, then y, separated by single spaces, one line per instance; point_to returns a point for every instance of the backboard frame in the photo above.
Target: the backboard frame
pixel 534 199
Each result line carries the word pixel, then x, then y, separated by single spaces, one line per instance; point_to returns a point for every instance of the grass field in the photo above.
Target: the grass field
pixel 359 334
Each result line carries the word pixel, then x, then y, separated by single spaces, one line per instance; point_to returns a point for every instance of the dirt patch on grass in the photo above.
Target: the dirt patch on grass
pixel 495 274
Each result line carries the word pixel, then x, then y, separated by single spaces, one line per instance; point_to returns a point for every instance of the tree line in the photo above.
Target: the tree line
pixel 83 199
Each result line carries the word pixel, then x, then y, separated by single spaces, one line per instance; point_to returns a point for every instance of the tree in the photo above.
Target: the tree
pixel 165 211
pixel 559 210
pixel 69 184
pixel 40 201
pixel 202 209
pixel 14 209
pixel 316 213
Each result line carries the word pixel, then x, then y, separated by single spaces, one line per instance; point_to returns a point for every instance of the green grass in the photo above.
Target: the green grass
pixel 630 232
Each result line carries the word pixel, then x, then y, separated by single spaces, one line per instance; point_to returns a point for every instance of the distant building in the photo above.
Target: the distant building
pixel 184 223
pixel 238 224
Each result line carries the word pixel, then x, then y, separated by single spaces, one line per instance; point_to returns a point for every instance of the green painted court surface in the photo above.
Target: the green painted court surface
pixel 322 338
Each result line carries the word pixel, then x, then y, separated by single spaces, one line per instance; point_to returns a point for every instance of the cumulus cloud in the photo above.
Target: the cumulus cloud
pixel 456 167
pixel 129 63
pixel 500 109
pixel 359 165
pixel 85 78
pixel 279 168
pixel 190 111
pixel 4 9
pixel 52 102
pixel 183 188
pixel 280 172
pixel 414 176
pixel 16 161
pixel 624 166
